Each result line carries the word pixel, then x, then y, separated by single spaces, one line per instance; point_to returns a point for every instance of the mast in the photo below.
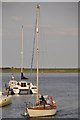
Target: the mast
pixel 22 52
pixel 22 75
pixel 37 37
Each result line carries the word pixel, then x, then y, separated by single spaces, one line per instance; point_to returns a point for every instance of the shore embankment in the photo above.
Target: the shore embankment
pixel 41 70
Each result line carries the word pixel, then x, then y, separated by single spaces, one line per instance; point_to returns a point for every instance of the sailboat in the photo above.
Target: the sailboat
pixel 22 75
pixel 44 108
pixel 25 85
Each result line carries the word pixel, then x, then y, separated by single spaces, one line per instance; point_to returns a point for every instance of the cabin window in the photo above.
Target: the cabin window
pixel 23 84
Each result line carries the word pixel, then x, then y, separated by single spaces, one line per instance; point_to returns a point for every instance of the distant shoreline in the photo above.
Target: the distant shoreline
pixel 41 70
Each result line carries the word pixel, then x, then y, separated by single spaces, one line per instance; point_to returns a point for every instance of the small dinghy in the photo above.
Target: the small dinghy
pixel 5 99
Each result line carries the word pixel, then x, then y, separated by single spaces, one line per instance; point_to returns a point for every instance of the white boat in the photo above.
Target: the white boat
pixel 21 87
pixel 27 86
pixel 40 109
pixel 5 99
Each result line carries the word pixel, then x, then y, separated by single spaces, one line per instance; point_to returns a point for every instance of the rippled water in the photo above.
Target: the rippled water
pixel 62 86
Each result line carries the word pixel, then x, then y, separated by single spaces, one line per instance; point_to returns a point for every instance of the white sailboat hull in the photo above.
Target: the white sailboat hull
pixel 41 113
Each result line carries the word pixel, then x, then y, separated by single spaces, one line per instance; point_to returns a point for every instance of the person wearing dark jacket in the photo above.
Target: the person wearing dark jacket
pixel 42 101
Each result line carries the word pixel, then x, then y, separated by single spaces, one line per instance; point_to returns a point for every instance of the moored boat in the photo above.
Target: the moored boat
pixel 42 108
pixel 40 111
pixel 5 99
pixel 22 87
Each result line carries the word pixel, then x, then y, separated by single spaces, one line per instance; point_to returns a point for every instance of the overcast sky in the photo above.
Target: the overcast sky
pixel 58 42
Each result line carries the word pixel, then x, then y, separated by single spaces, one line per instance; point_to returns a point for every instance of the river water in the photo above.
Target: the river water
pixel 62 86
